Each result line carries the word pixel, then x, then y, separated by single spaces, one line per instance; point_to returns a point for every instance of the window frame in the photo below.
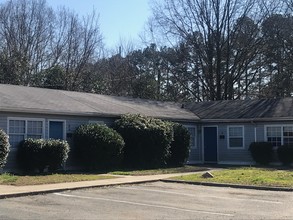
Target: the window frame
pixel 289 136
pixel 228 137
pixel 25 134
pixel 195 130
pixel 282 132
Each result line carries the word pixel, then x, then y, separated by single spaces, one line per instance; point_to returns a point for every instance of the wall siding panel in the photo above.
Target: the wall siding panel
pixel 3 122
pixel 228 155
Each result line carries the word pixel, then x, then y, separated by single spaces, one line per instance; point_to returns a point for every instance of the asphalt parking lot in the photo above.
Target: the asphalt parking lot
pixel 157 200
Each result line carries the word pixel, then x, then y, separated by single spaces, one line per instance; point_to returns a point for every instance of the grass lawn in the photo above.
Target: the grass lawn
pixel 247 176
pixel 17 180
pixel 183 169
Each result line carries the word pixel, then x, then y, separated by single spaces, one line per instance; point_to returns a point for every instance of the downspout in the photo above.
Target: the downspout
pixel 255 133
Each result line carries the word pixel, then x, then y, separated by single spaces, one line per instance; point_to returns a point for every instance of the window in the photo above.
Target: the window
pixel 288 135
pixel 235 134
pixel 34 129
pixel 20 129
pixel 274 135
pixel 16 131
pixel 279 135
pixel 191 131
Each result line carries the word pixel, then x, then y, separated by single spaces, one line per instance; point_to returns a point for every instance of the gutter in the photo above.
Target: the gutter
pixel 247 120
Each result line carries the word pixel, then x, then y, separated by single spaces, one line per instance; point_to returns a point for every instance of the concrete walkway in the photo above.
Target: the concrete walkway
pixel 7 191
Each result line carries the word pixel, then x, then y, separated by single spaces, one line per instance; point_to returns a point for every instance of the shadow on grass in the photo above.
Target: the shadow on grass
pixel 120 171
pixel 153 170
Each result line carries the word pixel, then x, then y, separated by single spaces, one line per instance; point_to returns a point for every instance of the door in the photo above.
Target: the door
pixel 56 130
pixel 210 144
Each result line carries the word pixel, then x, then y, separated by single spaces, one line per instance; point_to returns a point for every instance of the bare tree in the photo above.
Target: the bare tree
pixel 75 44
pixel 277 32
pixel 25 33
pixel 213 31
pixel 35 38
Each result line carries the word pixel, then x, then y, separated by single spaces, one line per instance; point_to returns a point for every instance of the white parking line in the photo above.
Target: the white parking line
pixel 190 195
pixel 144 204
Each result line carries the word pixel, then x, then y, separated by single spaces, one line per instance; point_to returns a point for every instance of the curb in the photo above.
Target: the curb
pixel 46 191
pixel 268 188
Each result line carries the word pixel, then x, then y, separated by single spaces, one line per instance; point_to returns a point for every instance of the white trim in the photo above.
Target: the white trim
pixel 255 134
pixel 276 125
pixel 64 127
pixel 228 137
pixel 195 135
pixel 26 120
pixel 203 148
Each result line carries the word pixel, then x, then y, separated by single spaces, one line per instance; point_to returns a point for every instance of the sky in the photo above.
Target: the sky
pixel 119 19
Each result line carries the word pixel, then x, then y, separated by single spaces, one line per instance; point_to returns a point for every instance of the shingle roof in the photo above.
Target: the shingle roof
pixel 262 109
pixel 48 101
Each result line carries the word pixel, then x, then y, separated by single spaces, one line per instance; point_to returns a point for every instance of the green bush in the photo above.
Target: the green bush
pixel 285 154
pixel 56 153
pixel 180 146
pixel 38 154
pixel 147 140
pixel 30 155
pixel 4 148
pixel 98 146
pixel 261 152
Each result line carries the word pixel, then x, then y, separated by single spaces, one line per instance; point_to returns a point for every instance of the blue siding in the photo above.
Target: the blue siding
pixel 228 155
pixel 252 132
pixel 3 122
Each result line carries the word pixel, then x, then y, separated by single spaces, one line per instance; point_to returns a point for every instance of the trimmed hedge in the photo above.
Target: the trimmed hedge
pixel 147 140
pixel 261 152
pixel 57 153
pixel 285 154
pixel 180 146
pixel 98 146
pixel 4 148
pixel 38 154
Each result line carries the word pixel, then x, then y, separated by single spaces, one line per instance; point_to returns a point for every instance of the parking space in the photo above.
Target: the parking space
pixel 152 201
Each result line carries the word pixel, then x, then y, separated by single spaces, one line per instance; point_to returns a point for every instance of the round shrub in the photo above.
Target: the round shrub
pixel 98 146
pixel 38 154
pixel 147 140
pixel 56 153
pixel 180 145
pixel 31 155
pixel 285 154
pixel 4 148
pixel 261 152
